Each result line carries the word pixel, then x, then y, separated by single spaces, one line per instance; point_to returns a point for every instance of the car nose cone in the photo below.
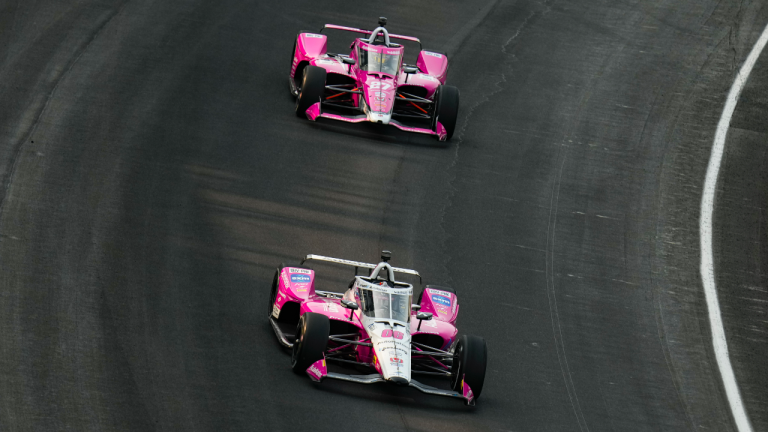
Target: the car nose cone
pixel 398 381
pixel 376 117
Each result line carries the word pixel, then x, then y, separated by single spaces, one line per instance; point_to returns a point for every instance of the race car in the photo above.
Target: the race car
pixel 372 83
pixel 374 326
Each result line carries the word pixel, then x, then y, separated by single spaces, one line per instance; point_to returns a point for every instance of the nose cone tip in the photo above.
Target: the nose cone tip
pixel 381 118
pixel 399 381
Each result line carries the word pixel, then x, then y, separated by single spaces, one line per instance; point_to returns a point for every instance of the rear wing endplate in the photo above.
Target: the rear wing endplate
pixel 357 264
pixel 357 30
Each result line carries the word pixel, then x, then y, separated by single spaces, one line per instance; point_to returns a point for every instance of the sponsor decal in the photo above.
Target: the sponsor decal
pixel 312 35
pixel 371 326
pixel 299 270
pixel 300 278
pixel 284 277
pixel 395 360
pixel 440 300
pixel 330 307
pixel 275 311
pixel 302 289
pixel 393 52
pixel 439 292
pixel 427 77
pixel 432 54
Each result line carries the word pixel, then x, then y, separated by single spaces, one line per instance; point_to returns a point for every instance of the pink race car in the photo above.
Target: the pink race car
pixel 374 325
pixel 373 84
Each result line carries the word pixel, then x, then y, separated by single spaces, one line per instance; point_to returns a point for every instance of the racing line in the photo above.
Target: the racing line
pixel 705 229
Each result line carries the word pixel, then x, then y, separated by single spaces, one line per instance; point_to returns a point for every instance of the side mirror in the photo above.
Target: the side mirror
pixel 352 306
pixel 424 316
pixel 347 60
pixel 410 69
pixel 415 307
pixel 349 304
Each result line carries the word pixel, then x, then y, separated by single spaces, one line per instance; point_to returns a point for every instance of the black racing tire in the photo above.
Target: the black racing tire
pixel 312 89
pixel 311 341
pixel 447 109
pixel 469 361
pixel 441 288
pixel 273 293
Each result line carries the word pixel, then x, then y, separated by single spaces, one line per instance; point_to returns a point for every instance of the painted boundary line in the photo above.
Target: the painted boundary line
pixel 705 231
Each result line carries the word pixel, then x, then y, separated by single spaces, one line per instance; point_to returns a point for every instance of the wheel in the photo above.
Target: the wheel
pixel 293 57
pixel 312 89
pixel 447 109
pixel 311 341
pixel 441 288
pixel 469 361
pixel 273 294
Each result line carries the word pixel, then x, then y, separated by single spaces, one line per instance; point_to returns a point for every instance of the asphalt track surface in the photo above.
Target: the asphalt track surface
pixel 154 175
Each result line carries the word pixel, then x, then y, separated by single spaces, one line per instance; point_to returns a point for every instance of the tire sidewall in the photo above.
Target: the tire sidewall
pixel 311 341
pixel 472 355
pixel 448 109
pixel 312 88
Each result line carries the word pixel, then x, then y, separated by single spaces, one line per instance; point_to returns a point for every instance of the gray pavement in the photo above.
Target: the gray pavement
pixel 154 174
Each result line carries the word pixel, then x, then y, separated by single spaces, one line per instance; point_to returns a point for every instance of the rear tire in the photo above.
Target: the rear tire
pixel 312 89
pixel 273 294
pixel 447 109
pixel 311 341
pixel 469 362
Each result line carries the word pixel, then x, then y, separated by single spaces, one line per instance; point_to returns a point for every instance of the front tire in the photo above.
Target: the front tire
pixel 447 109
pixel 469 362
pixel 311 341
pixel 312 89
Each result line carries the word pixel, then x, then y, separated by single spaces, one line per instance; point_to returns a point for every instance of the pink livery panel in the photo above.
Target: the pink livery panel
pixel 444 305
pixel 295 284
pixel 434 64
pixel 309 46
pixel 331 308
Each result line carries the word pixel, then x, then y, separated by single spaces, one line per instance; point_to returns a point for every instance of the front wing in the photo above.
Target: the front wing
pixel 318 371
pixel 314 112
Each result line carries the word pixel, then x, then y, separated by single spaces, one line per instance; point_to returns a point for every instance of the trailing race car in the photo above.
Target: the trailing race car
pixel 372 83
pixel 374 325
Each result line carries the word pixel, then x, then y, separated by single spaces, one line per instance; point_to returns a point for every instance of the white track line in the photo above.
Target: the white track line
pixel 705 231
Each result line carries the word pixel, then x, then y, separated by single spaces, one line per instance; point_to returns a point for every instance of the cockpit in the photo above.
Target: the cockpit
pixel 385 305
pixel 382 297
pixel 380 62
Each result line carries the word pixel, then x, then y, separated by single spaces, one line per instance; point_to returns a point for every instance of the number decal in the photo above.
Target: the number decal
pixel 390 333
pixel 379 84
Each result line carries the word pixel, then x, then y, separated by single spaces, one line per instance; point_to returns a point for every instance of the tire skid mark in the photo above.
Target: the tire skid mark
pixel 19 146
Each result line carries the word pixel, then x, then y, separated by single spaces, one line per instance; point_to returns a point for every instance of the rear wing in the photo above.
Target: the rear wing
pixel 357 264
pixel 367 32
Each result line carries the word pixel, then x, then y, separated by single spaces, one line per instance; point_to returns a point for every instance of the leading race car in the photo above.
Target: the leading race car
pixel 374 325
pixel 372 83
